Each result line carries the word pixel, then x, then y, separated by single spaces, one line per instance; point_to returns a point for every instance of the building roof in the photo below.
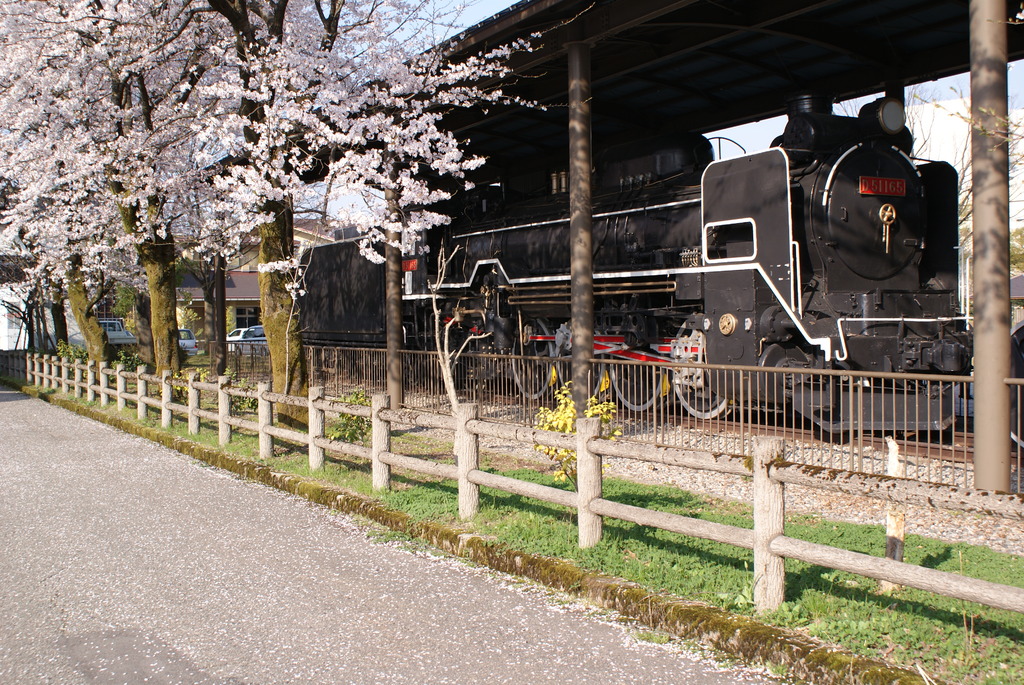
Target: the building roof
pixel 239 286
pixel 663 66
pixel 1017 288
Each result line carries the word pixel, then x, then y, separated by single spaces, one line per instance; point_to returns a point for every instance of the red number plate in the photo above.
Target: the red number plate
pixel 409 264
pixel 876 185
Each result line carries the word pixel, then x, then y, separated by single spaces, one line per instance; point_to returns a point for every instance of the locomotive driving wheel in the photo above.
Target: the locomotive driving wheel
pixel 637 387
pixel 533 374
pixel 694 386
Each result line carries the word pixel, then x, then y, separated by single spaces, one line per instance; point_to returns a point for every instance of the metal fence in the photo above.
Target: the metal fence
pixel 829 418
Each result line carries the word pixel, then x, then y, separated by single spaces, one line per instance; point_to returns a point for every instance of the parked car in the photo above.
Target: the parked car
pixel 117 334
pixel 242 339
pixel 187 341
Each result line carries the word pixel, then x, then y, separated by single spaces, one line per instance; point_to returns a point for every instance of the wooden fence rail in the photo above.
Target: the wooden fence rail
pixel 770 472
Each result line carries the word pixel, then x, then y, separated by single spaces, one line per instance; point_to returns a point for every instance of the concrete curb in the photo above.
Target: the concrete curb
pixel 744 637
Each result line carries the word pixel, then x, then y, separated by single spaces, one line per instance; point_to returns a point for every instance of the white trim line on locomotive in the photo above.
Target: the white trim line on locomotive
pixel 728 222
pixel 825 344
pixel 797 273
pixel 602 215
pixel 894 319
pixel 831 174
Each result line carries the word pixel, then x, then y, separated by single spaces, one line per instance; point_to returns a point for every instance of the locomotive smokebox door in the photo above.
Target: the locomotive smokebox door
pixel 747 245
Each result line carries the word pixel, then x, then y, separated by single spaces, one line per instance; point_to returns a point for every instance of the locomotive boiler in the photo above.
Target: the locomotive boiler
pixel 832 249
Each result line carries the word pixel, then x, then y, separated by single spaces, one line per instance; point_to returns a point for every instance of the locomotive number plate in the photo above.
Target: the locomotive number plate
pixel 877 185
pixel 410 264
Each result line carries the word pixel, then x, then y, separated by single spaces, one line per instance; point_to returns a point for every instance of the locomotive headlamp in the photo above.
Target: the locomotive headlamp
pixel 888 112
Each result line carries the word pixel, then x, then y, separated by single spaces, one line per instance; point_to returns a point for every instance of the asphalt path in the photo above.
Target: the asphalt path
pixel 124 562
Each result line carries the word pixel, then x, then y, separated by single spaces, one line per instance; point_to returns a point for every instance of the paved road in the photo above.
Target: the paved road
pixel 124 562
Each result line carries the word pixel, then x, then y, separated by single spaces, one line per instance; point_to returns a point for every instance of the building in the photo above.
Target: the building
pixel 242 291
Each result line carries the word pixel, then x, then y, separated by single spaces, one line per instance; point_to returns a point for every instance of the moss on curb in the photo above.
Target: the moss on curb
pixel 741 636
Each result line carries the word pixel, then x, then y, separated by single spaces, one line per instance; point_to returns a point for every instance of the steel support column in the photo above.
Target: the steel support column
pixel 580 222
pixel 991 226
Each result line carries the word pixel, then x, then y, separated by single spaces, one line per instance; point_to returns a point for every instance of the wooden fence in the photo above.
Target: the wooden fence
pixel 771 473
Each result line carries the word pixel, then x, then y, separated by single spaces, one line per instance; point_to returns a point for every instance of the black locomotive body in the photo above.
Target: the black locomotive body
pixel 831 249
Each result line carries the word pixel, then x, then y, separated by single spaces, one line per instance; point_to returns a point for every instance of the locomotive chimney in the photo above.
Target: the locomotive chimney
pixel 809 103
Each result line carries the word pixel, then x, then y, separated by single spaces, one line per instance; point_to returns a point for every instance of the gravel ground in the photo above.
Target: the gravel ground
pixel 999 534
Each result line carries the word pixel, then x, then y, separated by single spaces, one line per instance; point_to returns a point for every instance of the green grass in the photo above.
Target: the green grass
pixel 950 639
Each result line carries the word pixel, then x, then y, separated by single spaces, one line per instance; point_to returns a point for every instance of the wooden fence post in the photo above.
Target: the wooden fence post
pixel 78 380
pixel 90 380
pixel 120 385
pixel 223 411
pixel 265 417
pixel 29 366
pixel 316 428
pixel 467 458
pixel 53 371
pixel 895 515
pixel 142 391
pixel 589 483
pixel 193 404
pixel 381 442
pixel 65 381
pixel 165 399
pixel 769 522
pixel 104 380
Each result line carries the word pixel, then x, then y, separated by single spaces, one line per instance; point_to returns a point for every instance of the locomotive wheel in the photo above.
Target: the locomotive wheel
pixel 533 375
pixel 602 381
pixel 637 387
pixel 700 402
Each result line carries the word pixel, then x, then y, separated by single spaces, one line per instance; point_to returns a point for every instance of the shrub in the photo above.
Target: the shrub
pixel 74 352
pixel 349 428
pixel 129 356
pixel 563 420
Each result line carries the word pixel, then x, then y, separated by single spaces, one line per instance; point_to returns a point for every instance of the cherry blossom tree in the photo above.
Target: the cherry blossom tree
pixel 349 94
pixel 102 92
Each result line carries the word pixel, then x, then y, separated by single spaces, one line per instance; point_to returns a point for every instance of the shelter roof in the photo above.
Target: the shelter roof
pixel 660 66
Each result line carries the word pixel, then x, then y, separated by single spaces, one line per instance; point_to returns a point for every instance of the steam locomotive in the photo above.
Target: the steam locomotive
pixel 833 248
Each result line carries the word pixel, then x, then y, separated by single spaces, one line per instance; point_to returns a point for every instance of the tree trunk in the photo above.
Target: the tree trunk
pixel 60 319
pixel 30 322
pixel 209 311
pixel 158 261
pixel 46 342
pixel 280 323
pixel 144 328
pixel 96 343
